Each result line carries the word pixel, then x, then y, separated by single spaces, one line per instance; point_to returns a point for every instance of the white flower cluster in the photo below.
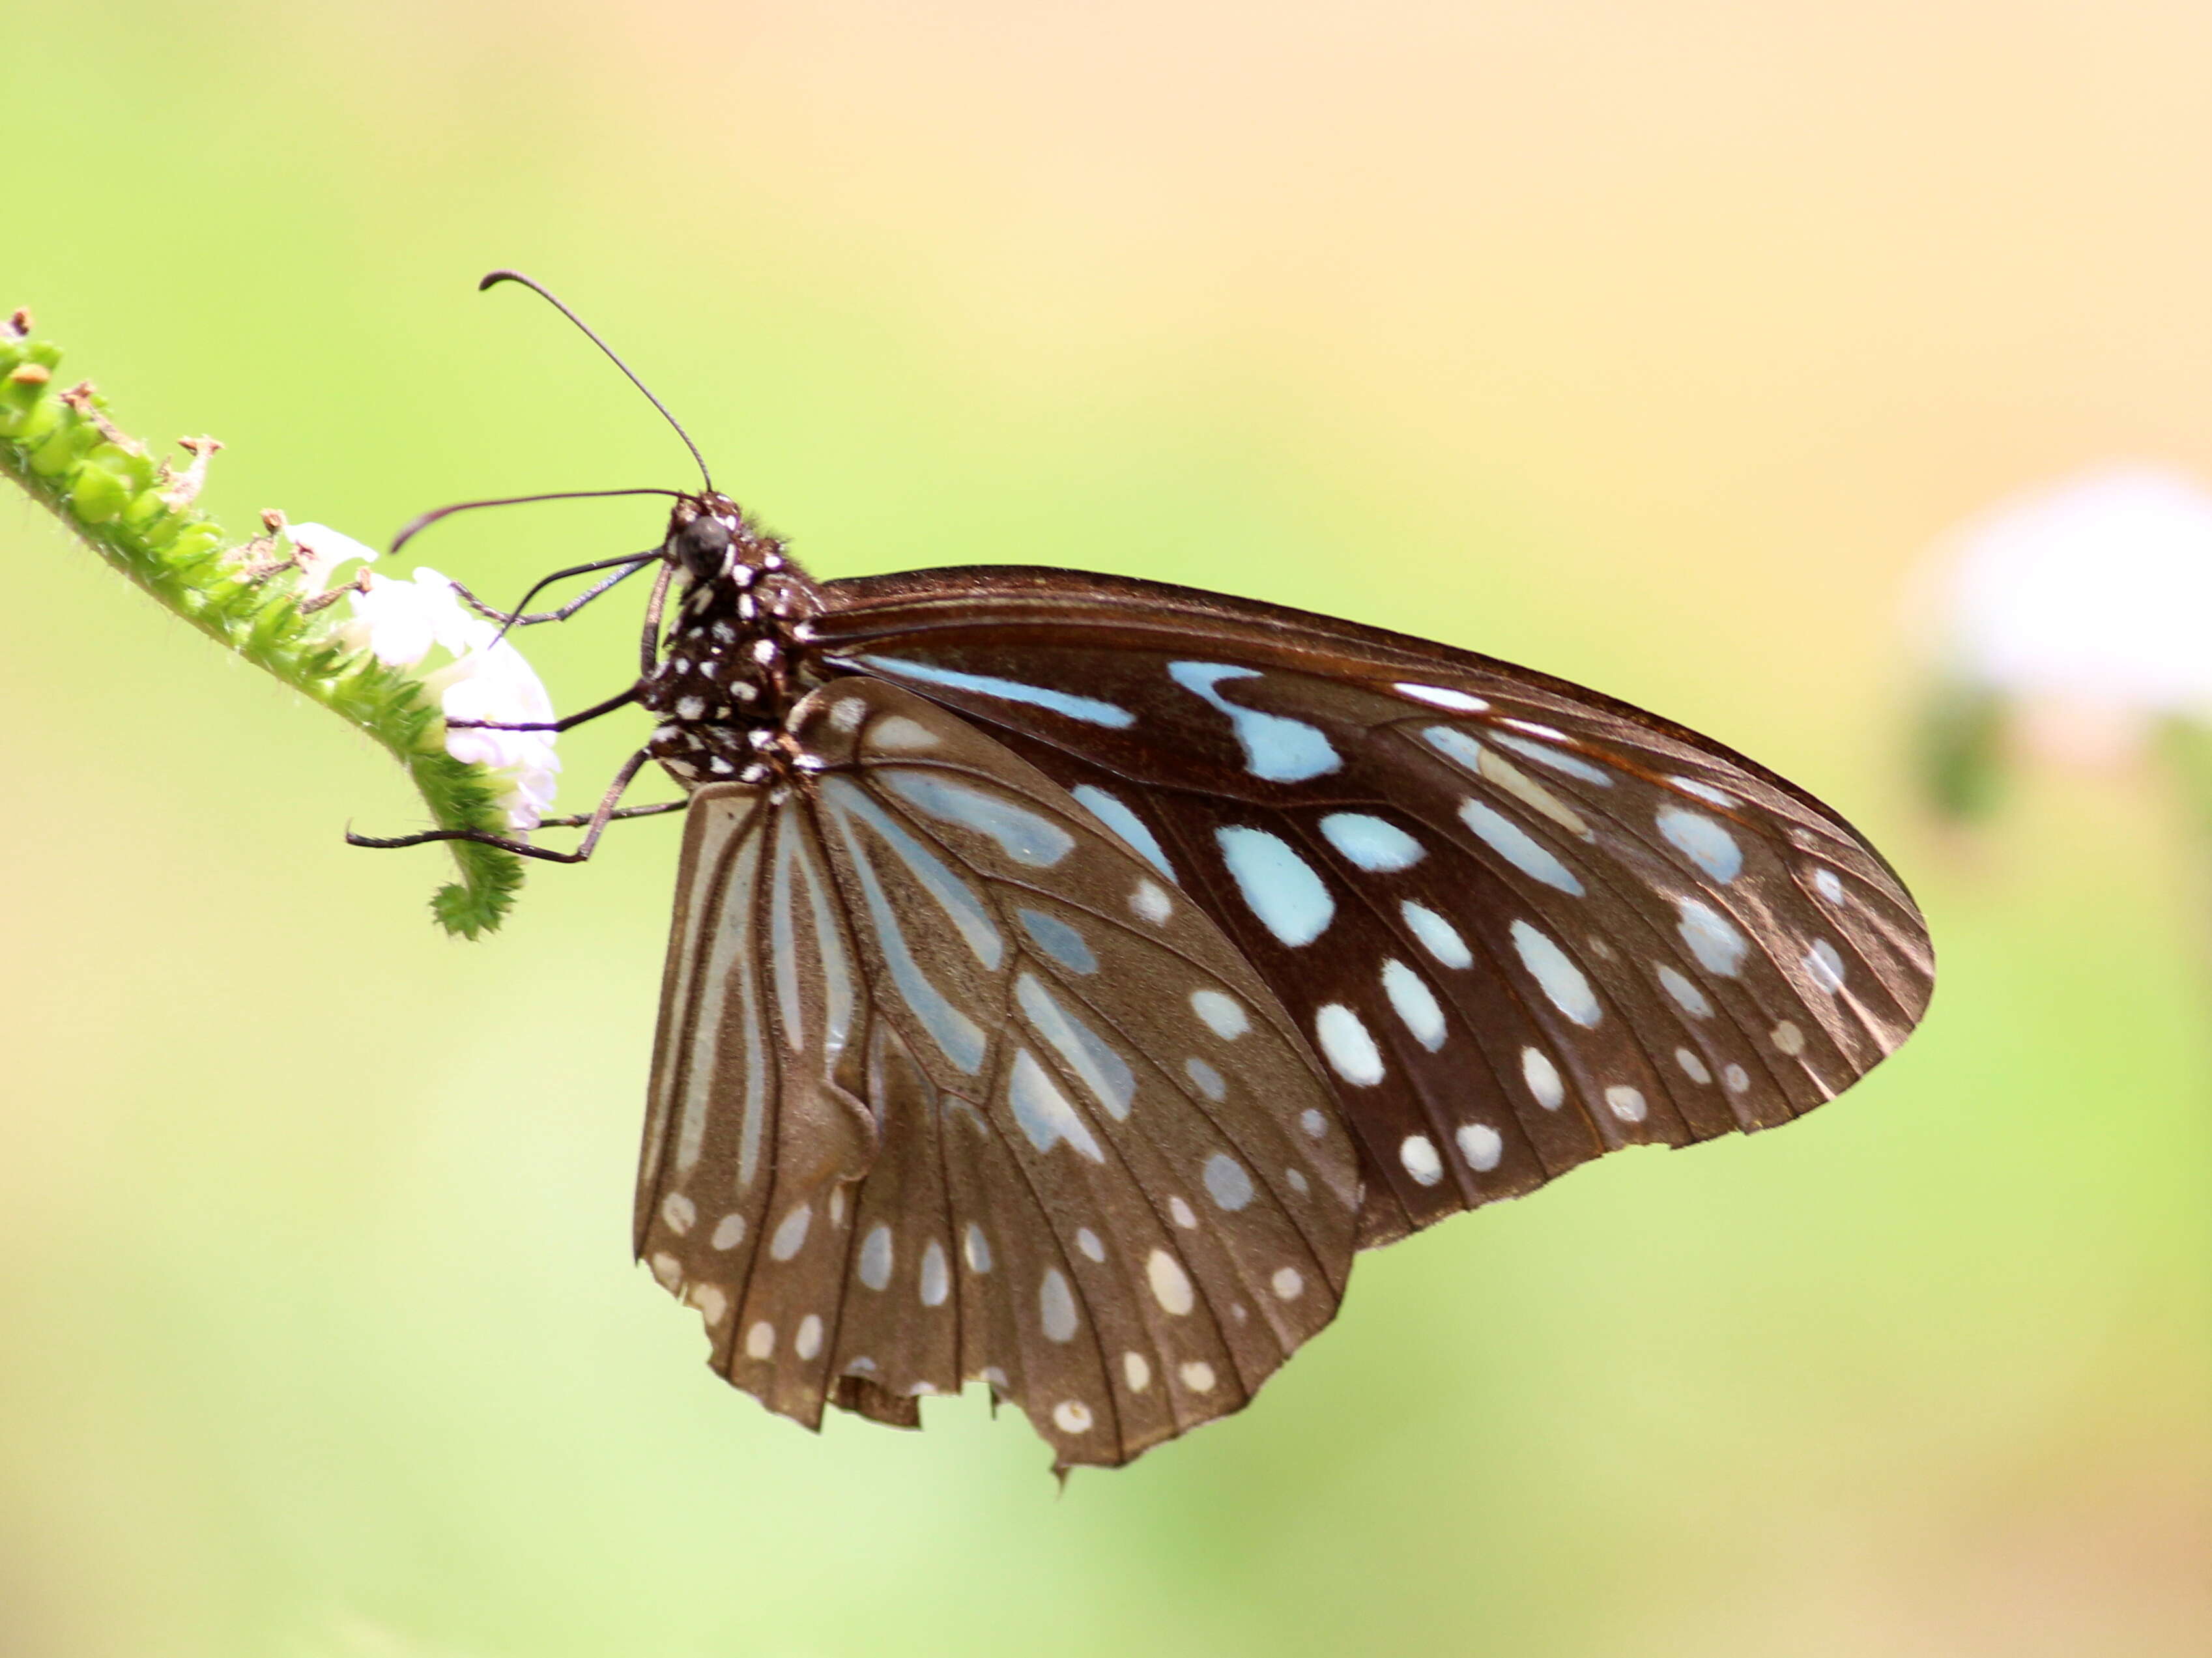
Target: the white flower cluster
pixel 403 622
pixel 2089 603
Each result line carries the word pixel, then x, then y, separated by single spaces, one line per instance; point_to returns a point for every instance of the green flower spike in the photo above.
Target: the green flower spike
pixel 262 599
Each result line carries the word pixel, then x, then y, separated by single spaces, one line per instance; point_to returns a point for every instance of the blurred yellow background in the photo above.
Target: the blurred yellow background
pixel 1645 343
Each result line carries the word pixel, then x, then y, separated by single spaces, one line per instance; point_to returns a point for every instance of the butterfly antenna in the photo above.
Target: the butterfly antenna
pixel 415 526
pixel 553 300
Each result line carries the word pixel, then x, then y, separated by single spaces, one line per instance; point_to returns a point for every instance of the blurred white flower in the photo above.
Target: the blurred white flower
pixel 2086 607
pixel 402 622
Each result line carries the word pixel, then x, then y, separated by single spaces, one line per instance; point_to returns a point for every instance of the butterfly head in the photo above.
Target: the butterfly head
pixel 709 540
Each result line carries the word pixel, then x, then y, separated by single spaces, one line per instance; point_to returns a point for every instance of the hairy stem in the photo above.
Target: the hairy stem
pixel 137 513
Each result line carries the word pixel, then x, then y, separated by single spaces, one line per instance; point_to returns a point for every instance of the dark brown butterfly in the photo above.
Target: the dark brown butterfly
pixel 1069 974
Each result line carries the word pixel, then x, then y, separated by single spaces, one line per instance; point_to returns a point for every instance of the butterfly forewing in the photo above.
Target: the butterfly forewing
pixel 952 1083
pixel 1522 924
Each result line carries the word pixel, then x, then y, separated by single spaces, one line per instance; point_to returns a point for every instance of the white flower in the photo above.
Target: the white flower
pixel 401 622
pixel 321 550
pixel 497 683
pixel 2090 603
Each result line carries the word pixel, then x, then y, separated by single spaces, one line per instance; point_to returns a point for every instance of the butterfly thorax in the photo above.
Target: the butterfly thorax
pixel 730 665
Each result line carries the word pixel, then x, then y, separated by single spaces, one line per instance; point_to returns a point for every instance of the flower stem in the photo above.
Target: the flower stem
pixel 139 514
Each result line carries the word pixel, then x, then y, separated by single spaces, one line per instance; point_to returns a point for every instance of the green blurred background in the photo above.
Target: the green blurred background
pixel 1648 344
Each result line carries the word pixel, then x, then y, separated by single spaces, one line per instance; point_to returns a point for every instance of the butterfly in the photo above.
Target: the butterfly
pixel 1070 974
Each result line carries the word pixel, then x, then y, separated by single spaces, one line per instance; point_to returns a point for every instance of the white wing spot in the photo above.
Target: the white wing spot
pixel 1481 1145
pixel 713 1306
pixel 760 1340
pixel 1437 936
pixel 1072 1416
pixel 1558 977
pixel 976 1248
pixel 1296 1180
pixel 838 1206
pixel 1288 1284
pixel 1684 989
pixel 1789 1039
pixel 1278 886
pixel 1185 1216
pixel 1828 885
pixel 1028 837
pixel 876 1258
pixel 1438 696
pixel 1626 1103
pixel 1087 1240
pixel 668 1270
pixel 678 1212
pixel 1046 1115
pixel 791 1234
pixel 1703 841
pixel 1737 1078
pixel 1089 710
pixel 936 1275
pixel 1056 1306
pixel 729 1232
pixel 1375 846
pixel 1149 902
pixel 1349 1047
pixel 1277 749
pixel 898 732
pixel 1825 964
pixel 1063 943
pixel 1518 847
pixel 1567 763
pixel 1197 1376
pixel 1223 1016
pixel 1542 1077
pixel 1208 1081
pixel 1313 1122
pixel 1136 1372
pixel 1227 1183
pixel 1693 1066
pixel 1418 1153
pixel 1712 940
pixel 1110 810
pixel 1705 791
pixel 1089 1055
pixel 1170 1284
pixel 808 1341
pixel 1414 1004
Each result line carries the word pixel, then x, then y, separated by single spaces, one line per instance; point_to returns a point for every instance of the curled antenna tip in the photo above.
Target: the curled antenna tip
pixel 492 278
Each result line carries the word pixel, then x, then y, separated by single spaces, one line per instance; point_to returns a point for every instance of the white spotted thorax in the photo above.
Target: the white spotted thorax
pixel 728 668
pixel 1068 974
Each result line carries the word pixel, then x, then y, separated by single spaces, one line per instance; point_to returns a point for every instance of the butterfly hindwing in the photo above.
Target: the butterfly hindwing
pixel 951 1085
pixel 1524 924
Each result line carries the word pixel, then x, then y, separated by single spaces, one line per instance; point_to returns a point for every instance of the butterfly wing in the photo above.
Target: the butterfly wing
pixel 950 1084
pixel 1523 923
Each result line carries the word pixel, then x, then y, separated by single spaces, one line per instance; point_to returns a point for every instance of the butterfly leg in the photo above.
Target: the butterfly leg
pixel 596 824
pixel 621 700
pixel 520 616
pixel 657 809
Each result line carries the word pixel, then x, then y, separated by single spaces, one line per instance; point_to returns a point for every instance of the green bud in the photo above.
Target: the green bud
pixel 98 496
